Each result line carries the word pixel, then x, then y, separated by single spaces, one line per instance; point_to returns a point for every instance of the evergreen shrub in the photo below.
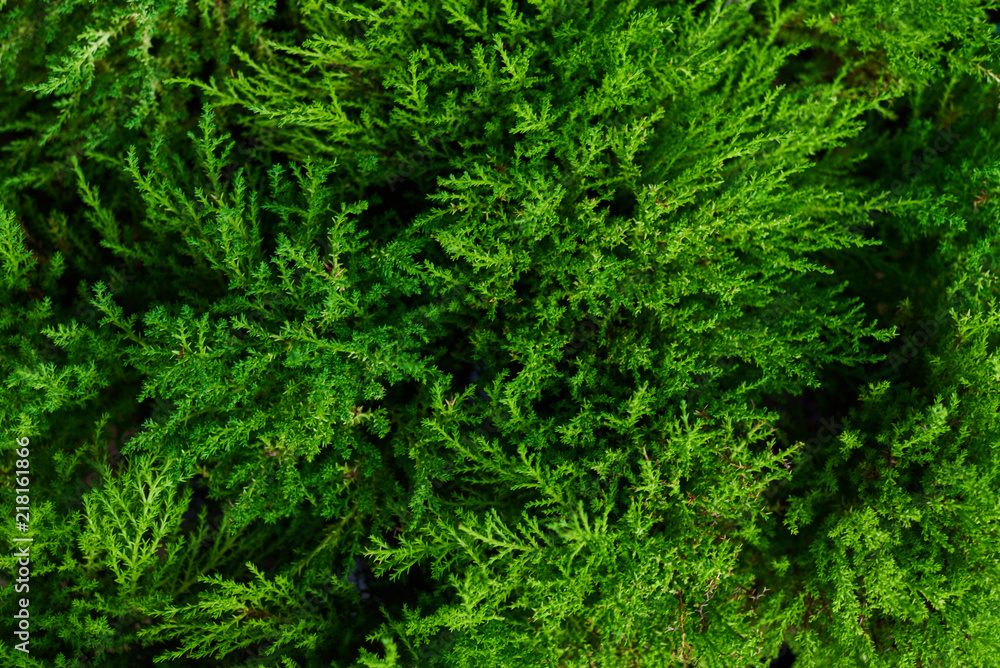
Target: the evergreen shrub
pixel 493 333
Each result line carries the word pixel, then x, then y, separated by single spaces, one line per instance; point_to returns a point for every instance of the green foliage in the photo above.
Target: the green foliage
pixel 464 334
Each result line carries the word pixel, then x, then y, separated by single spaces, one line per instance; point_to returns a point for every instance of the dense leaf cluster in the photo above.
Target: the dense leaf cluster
pixel 502 333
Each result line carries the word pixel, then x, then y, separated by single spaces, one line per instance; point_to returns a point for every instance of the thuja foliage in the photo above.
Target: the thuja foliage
pixel 474 333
